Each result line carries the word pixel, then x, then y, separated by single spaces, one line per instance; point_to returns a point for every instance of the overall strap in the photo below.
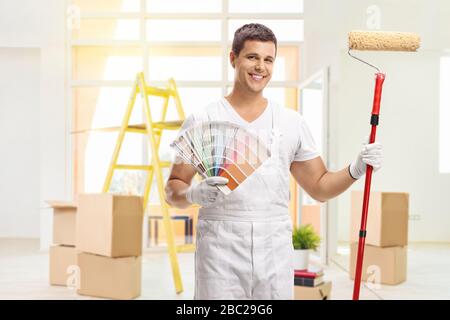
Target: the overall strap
pixel 275 117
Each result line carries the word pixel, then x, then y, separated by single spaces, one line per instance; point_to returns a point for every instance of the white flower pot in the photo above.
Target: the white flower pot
pixel 301 259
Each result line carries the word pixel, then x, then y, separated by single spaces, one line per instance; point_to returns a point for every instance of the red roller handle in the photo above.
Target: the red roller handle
pixel 362 231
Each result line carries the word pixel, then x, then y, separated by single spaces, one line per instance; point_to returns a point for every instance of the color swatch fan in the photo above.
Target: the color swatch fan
pixel 220 148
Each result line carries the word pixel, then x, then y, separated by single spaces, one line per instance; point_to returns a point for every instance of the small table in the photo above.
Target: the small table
pixel 188 227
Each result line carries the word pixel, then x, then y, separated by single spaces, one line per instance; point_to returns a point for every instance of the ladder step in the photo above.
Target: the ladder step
pixel 136 128
pixel 159 92
pixel 141 128
pixel 186 248
pixel 163 164
pixel 168 125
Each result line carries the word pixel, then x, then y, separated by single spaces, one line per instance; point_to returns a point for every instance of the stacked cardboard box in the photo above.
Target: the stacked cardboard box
pixel 109 244
pixel 62 254
pixel 386 239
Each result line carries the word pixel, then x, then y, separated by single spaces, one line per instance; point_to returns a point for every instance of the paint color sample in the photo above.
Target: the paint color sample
pixel 220 148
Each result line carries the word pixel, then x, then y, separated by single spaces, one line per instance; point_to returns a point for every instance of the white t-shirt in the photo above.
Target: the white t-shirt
pixel 296 133
pixel 260 195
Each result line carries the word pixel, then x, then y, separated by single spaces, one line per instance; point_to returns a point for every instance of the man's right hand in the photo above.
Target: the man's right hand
pixel 206 193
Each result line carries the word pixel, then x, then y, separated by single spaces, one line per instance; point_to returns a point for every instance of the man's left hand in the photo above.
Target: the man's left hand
pixel 370 154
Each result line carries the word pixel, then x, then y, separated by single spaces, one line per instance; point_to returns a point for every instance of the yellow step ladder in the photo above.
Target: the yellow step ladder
pixel 154 131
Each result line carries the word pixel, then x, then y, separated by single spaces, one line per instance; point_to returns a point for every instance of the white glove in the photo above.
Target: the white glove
pixel 206 193
pixel 371 154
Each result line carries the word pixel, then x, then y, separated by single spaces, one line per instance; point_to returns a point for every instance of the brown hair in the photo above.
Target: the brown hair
pixel 252 31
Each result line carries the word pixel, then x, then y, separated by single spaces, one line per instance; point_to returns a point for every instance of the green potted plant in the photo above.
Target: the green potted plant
pixel 304 239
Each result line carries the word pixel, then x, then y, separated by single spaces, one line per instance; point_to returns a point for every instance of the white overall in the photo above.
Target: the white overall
pixel 244 244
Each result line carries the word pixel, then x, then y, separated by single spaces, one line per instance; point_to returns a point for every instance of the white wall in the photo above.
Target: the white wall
pixel 409 131
pixel 41 25
pixel 19 142
pixel 409 118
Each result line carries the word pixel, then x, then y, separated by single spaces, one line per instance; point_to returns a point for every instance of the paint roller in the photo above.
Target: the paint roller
pixel 375 41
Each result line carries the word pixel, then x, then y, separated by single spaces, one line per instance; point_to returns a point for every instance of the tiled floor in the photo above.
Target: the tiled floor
pixel 428 273
pixel 24 274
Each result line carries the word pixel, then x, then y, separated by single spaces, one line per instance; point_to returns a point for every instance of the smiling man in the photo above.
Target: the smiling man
pixel 244 240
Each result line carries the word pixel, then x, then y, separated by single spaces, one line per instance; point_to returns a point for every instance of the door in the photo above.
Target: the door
pixel 313 95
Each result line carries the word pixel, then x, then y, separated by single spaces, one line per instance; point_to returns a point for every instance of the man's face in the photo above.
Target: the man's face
pixel 253 66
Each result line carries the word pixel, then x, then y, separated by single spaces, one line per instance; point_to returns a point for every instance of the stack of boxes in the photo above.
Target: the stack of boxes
pixel 98 243
pixel 387 236
pixel 109 244
pixel 63 255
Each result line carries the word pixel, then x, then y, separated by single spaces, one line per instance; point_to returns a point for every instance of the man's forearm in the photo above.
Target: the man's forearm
pixel 332 184
pixel 176 193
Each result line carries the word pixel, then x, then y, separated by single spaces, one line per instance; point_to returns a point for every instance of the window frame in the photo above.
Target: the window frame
pixel 224 16
pixel 444 102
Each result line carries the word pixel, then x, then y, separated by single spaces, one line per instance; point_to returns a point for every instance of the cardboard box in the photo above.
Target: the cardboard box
pixel 62 262
pixel 64 222
pixel 311 215
pixel 386 265
pixel 114 278
pixel 387 220
pixel 321 292
pixel 110 225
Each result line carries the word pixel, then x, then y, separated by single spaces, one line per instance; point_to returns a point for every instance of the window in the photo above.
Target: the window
pixel 183 6
pixel 186 40
pixel 264 6
pixel 444 115
pixel 285 30
pixel 183 30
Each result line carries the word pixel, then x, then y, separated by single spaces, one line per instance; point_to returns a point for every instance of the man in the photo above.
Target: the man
pixel 244 239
